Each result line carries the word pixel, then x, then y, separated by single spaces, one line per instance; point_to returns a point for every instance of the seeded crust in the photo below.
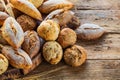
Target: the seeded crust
pixel 75 55
pixel 52 52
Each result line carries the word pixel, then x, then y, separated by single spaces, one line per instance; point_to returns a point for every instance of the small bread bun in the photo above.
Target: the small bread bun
pixel 67 37
pixel 52 52
pixel 49 30
pixel 75 55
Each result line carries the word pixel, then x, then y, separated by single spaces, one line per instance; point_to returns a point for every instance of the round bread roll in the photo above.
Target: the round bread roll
pixel 67 37
pixel 52 52
pixel 31 43
pixel 49 30
pixel 26 22
pixel 3 64
pixel 75 55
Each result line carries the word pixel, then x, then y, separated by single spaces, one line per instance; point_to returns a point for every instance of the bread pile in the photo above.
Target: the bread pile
pixel 31 28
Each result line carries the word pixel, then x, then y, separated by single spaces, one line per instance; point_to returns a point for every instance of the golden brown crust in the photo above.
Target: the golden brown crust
pixel 3 63
pixel 75 55
pixel 36 62
pixel 12 32
pixel 26 22
pixel 17 58
pixel 3 17
pixel 49 30
pixel 52 52
pixel 52 5
pixel 2 40
pixel 31 43
pixel 36 3
pixel 27 8
pixel 67 37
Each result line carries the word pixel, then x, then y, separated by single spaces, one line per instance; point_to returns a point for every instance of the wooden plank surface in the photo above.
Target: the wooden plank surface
pixel 98 4
pixel 91 70
pixel 103 62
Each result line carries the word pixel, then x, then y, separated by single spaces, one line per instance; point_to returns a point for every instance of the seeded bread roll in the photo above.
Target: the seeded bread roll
pixel 75 55
pixel 3 64
pixel 17 58
pixel 26 22
pixel 67 37
pixel 52 52
pixel 49 30
pixel 51 5
pixel 31 43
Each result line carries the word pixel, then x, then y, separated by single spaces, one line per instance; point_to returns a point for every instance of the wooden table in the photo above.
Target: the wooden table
pixel 103 61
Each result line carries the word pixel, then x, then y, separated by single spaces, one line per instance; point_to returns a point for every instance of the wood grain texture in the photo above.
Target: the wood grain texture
pixel 106 47
pixel 103 62
pixel 109 19
pixel 91 70
pixel 98 4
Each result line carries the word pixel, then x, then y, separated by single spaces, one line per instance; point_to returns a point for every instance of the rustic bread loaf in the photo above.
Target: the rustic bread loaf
pixel 27 8
pixel 12 32
pixel 31 43
pixel 51 5
pixel 17 58
pixel 89 31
